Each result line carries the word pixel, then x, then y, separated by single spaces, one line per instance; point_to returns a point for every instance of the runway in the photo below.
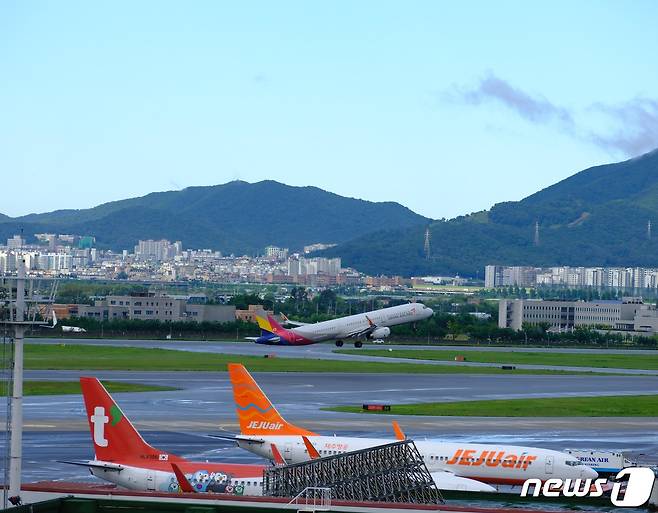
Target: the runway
pixel 325 351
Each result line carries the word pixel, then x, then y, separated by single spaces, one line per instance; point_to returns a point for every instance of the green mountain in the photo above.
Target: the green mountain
pixel 237 217
pixel 597 217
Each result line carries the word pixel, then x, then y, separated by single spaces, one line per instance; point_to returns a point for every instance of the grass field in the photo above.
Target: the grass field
pixel 73 356
pixel 608 406
pixel 590 359
pixel 73 387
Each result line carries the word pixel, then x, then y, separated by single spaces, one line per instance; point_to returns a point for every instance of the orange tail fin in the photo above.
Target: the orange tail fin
pixel 312 451
pixel 399 434
pixel 115 438
pixel 257 415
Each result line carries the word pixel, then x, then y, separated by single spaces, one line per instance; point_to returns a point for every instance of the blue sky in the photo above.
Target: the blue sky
pixel 446 107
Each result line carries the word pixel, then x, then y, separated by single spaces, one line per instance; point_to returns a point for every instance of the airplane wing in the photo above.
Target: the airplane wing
pixel 95 464
pixel 362 332
pixel 448 481
pixel 54 324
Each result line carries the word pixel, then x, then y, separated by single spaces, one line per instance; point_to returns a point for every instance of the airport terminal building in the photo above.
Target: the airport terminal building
pixel 628 314
pixel 160 307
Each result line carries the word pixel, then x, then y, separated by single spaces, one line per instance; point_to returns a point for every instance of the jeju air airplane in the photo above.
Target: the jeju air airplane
pixel 124 458
pixel 370 325
pixel 457 466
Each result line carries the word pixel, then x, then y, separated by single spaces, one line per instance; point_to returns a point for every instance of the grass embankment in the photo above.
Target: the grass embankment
pixel 73 387
pixel 608 406
pixel 589 359
pixel 82 357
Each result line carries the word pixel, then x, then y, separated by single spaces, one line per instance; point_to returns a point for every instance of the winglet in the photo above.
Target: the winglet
pixel 399 434
pixel 312 452
pixel 370 321
pixel 278 459
pixel 183 484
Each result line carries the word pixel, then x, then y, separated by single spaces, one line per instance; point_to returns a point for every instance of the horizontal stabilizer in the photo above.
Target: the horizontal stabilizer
pixel 95 464
pixel 237 438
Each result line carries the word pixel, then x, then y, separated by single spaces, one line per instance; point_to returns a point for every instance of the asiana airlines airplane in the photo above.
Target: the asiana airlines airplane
pixel 370 325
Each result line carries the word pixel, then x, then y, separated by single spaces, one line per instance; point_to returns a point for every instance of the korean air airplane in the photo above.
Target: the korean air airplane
pixel 124 458
pixel 370 325
pixel 454 466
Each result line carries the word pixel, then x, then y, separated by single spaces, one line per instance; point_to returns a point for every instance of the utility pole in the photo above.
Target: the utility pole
pixel 649 229
pixel 16 426
pixel 426 246
pixel 19 322
pixel 536 233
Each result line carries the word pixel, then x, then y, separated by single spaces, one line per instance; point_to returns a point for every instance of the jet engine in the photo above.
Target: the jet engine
pixel 380 333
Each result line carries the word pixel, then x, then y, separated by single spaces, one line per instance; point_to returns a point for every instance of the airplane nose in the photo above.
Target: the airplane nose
pixel 589 473
pixel 430 312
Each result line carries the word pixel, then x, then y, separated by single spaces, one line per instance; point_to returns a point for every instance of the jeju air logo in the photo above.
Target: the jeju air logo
pixel 490 459
pixel 269 426
pixel 99 419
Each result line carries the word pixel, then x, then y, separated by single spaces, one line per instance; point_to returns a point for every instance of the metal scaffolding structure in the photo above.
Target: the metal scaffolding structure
pixel 393 472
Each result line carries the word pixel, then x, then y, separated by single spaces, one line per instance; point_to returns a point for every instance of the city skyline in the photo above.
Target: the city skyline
pixel 365 100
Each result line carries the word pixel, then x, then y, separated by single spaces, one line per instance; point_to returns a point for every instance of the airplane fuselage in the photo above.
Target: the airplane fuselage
pixel 488 463
pixel 204 477
pixel 346 327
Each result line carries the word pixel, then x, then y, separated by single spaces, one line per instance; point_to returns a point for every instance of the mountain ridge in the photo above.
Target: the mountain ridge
pixel 236 217
pixel 596 217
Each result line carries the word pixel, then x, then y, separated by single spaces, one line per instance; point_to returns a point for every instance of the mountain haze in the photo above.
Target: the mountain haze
pixel 237 217
pixel 597 217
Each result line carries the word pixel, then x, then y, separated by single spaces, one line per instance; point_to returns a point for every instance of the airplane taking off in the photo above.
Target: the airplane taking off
pixel 455 466
pixel 124 458
pixel 370 325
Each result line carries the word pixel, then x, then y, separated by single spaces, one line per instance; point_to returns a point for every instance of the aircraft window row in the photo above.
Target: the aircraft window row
pixel 488 460
pixel 572 463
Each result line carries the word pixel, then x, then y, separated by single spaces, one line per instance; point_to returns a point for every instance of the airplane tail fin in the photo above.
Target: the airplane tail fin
pixel 115 438
pixel 264 324
pixel 257 415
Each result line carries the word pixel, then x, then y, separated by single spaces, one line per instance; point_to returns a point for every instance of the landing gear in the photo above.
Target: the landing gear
pixel 358 343
pixel 339 343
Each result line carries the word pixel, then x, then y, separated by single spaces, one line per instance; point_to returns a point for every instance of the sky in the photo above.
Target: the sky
pixel 445 107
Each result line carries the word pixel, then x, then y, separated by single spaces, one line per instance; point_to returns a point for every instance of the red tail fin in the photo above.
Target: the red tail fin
pixel 115 438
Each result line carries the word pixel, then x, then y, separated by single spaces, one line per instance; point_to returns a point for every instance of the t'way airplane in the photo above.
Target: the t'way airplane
pixel 124 458
pixel 369 325
pixel 453 465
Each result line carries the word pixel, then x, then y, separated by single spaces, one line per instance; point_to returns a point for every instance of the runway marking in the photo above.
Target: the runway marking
pixel 384 390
